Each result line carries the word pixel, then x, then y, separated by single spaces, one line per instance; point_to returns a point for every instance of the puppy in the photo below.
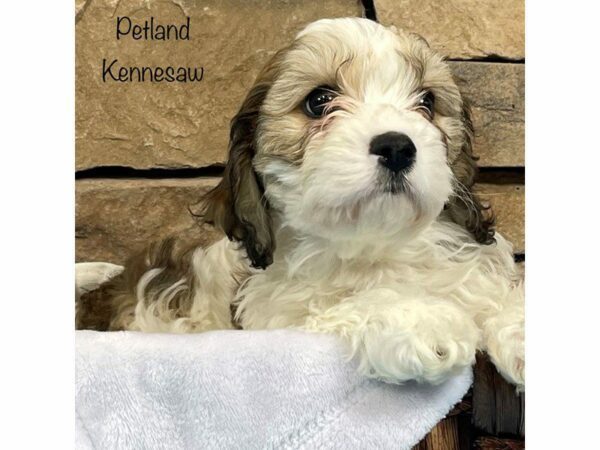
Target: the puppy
pixel 348 209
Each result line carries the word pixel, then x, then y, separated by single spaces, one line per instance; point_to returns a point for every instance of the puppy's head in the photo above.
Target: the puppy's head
pixel 354 131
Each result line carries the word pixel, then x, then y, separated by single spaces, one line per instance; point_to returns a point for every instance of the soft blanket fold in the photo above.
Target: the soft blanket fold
pixel 243 389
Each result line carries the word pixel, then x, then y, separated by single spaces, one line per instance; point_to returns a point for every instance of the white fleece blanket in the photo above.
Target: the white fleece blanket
pixel 243 390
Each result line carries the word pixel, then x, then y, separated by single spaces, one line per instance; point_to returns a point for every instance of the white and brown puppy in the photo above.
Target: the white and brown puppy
pixel 347 201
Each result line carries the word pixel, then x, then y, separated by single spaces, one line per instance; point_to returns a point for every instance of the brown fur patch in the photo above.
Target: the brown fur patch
pixel 465 208
pixel 237 205
pixel 111 307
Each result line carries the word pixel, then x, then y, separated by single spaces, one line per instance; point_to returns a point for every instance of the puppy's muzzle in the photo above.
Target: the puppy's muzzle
pixel 395 150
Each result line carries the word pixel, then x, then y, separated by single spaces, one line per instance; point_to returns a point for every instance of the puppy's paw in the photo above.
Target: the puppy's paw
pixel 505 345
pixel 425 345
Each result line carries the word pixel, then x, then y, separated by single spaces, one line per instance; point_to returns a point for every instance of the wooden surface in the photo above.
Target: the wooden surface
pixel 443 436
pixel 491 416
pixel 497 408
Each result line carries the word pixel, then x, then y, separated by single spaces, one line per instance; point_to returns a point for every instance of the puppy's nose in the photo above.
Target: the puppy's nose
pixel 395 150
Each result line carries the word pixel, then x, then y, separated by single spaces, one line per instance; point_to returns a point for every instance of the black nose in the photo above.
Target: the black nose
pixel 396 151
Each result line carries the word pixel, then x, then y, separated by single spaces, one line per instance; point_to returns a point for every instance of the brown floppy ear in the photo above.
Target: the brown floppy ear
pixel 237 205
pixel 464 207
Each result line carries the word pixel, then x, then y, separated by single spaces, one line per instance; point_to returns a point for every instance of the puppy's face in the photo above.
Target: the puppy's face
pixel 357 130
pixel 354 131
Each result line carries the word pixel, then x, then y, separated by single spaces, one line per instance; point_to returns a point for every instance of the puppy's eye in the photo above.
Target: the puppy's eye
pixel 316 102
pixel 427 103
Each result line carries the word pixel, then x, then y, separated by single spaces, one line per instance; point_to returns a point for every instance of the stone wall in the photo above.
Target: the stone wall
pixel 144 152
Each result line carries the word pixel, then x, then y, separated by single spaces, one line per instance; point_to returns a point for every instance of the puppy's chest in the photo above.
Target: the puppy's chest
pixel 273 299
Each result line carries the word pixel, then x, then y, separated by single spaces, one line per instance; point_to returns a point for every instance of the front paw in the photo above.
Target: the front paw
pixel 427 351
pixel 506 348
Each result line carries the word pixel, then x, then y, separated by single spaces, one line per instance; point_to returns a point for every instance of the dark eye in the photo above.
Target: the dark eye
pixel 316 102
pixel 427 103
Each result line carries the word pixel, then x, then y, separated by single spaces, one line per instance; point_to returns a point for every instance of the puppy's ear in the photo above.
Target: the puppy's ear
pixel 237 205
pixel 464 207
pixel 420 38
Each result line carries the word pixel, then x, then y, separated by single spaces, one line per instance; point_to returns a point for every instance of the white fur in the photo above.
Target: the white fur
pixel 412 293
pixel 215 285
pixel 414 311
